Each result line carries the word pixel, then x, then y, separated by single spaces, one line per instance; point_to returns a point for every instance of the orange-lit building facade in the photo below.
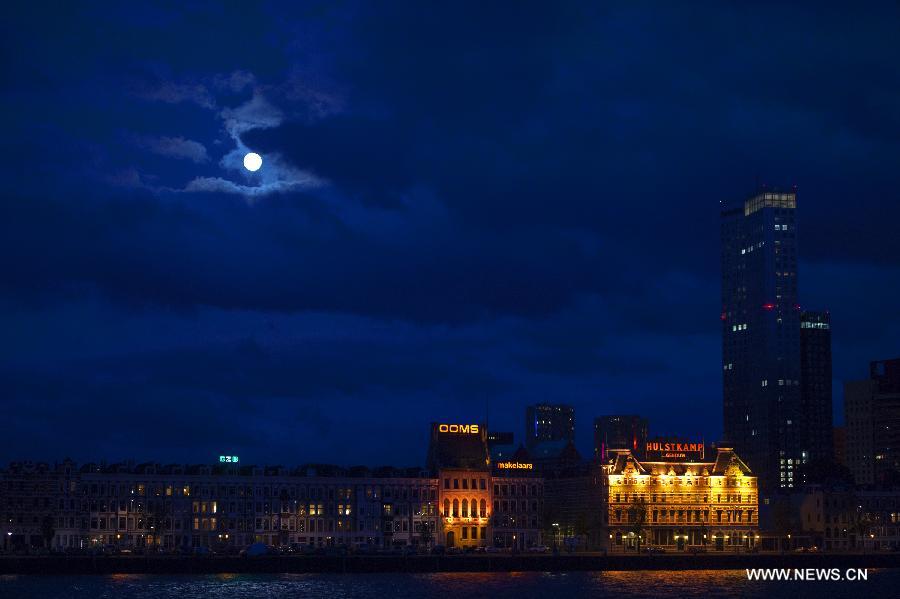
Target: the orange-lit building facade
pixel 465 500
pixel 681 501
pixel 482 504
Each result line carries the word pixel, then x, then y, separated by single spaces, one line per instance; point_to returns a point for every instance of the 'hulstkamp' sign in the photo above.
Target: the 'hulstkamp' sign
pixel 673 450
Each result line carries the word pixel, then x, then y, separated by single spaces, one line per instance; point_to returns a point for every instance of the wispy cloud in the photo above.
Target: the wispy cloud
pixel 235 81
pixel 172 92
pixel 257 113
pixel 218 184
pixel 175 147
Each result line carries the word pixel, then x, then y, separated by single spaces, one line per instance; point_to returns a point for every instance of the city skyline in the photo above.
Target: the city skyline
pixel 453 219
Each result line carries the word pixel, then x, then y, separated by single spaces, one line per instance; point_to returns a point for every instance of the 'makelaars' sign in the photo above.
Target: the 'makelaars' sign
pixel 515 466
pixel 673 450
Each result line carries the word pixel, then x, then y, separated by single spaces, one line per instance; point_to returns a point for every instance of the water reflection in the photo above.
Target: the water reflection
pixel 687 584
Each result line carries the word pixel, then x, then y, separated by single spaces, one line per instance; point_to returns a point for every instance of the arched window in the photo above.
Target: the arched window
pixel 474 505
pixel 456 507
pixel 465 506
pixel 446 508
pixel 483 509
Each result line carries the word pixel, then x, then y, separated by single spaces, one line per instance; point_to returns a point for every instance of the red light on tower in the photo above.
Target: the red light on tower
pixel 768 306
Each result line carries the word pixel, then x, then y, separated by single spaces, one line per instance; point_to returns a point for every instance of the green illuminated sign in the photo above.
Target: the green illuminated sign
pixel 228 459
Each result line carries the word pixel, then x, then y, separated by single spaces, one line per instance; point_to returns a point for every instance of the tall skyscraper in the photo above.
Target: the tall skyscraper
pixel 761 336
pixel 817 433
pixel 549 422
pixel 872 416
pixel 619 432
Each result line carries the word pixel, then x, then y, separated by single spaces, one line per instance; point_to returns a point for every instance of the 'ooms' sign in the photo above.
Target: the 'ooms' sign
pixel 471 429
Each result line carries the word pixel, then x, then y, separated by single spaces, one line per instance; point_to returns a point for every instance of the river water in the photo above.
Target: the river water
pixel 704 584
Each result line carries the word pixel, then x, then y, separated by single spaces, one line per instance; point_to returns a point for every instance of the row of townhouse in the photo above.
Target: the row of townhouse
pixel 229 505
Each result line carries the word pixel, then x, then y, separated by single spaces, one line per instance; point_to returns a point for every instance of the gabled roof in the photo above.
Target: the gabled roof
pixel 727 462
pixel 624 460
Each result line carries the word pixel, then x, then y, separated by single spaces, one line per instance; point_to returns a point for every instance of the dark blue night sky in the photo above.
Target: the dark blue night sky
pixel 475 202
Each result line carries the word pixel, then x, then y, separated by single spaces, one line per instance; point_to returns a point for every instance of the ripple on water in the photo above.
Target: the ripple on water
pixel 688 584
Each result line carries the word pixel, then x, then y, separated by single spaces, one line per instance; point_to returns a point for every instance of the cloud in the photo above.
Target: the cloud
pixel 275 176
pixel 257 113
pixel 176 147
pixel 218 184
pixel 172 92
pixel 234 82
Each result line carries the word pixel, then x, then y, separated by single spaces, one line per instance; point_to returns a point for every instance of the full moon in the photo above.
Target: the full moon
pixel 252 161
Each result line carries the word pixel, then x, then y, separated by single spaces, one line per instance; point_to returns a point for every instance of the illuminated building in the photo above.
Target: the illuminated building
pixel 761 335
pixel 469 491
pixel 872 417
pixel 549 422
pixel 465 500
pixel 680 503
pixel 231 504
pixel 619 432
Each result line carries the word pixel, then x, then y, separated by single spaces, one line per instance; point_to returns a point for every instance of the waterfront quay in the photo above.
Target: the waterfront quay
pixel 123 564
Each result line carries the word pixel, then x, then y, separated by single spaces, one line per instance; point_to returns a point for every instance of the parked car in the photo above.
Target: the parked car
pixel 438 550
pixel 538 549
pixel 654 550
pixel 493 549
pixel 696 549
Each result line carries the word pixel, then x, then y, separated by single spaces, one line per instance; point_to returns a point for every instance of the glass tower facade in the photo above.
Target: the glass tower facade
pixel 761 336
